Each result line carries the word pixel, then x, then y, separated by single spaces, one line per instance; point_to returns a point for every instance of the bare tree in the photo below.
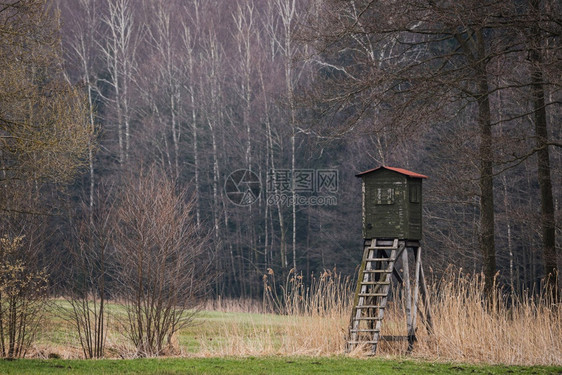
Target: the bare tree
pixel 85 26
pixel 245 23
pixel 163 90
pixel 548 223
pixel 439 69
pixel 158 250
pixel 119 50
pixel 43 137
pixel 270 47
pixel 89 268
pixel 288 12
pixel 191 86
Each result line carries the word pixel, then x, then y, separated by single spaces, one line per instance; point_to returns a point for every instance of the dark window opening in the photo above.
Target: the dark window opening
pixel 415 193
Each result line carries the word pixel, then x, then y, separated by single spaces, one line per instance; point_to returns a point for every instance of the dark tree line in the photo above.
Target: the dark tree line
pixel 202 89
pixel 465 92
pixel 415 67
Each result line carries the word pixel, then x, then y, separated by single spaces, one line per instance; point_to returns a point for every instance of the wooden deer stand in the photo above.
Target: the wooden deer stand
pixel 391 230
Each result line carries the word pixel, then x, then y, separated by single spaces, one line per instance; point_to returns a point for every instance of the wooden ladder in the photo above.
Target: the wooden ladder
pixel 371 295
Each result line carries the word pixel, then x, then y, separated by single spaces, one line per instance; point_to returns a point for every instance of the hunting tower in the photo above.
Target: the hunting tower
pixel 392 227
pixel 392 203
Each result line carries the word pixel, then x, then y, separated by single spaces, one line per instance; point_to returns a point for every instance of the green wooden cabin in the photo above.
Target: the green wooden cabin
pixel 392 203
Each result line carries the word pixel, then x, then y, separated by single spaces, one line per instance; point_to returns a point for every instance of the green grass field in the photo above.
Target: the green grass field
pixel 251 343
pixel 259 365
pixel 207 330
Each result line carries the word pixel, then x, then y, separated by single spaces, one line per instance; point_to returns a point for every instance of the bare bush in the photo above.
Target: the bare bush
pixel 161 272
pixel 89 270
pixel 22 299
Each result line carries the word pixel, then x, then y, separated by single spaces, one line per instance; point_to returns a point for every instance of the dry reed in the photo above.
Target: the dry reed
pixel 303 320
pixel 242 305
pixel 313 320
pixel 504 329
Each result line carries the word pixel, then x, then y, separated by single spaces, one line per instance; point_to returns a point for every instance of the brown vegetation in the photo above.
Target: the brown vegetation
pixel 23 295
pixel 526 331
pixel 161 272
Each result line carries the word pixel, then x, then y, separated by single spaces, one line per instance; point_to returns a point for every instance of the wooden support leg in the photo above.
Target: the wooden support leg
pixel 425 297
pixel 402 249
pixel 412 334
pixel 408 293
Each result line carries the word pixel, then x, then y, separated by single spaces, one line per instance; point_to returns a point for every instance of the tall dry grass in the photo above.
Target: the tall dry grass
pixel 299 319
pixel 505 329
pixel 302 320
pixel 313 320
pixel 328 294
pixel 236 305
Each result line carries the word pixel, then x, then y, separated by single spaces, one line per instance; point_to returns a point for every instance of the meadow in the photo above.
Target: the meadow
pixel 263 365
pixel 306 327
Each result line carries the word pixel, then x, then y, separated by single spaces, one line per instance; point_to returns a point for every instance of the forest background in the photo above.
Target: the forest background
pixel 188 92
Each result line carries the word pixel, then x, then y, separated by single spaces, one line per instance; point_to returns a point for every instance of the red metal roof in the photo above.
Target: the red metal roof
pixel 399 170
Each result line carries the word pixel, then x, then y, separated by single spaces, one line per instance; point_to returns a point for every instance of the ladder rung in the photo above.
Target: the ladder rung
pixel 369 307
pixel 377 271
pixel 362 342
pixel 376 282
pixel 374 294
pixel 379 259
pixel 384 243
pixel 364 330
pixel 368 318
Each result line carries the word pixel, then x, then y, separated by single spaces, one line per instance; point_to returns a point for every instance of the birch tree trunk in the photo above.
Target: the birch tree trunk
pixel 287 12
pixel 83 44
pixel 169 72
pixel 119 51
pixel 190 83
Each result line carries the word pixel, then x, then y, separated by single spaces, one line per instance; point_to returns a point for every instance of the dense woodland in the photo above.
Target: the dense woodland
pixel 184 92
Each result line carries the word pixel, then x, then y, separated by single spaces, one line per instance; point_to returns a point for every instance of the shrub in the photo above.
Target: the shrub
pixel 23 294
pixel 161 271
